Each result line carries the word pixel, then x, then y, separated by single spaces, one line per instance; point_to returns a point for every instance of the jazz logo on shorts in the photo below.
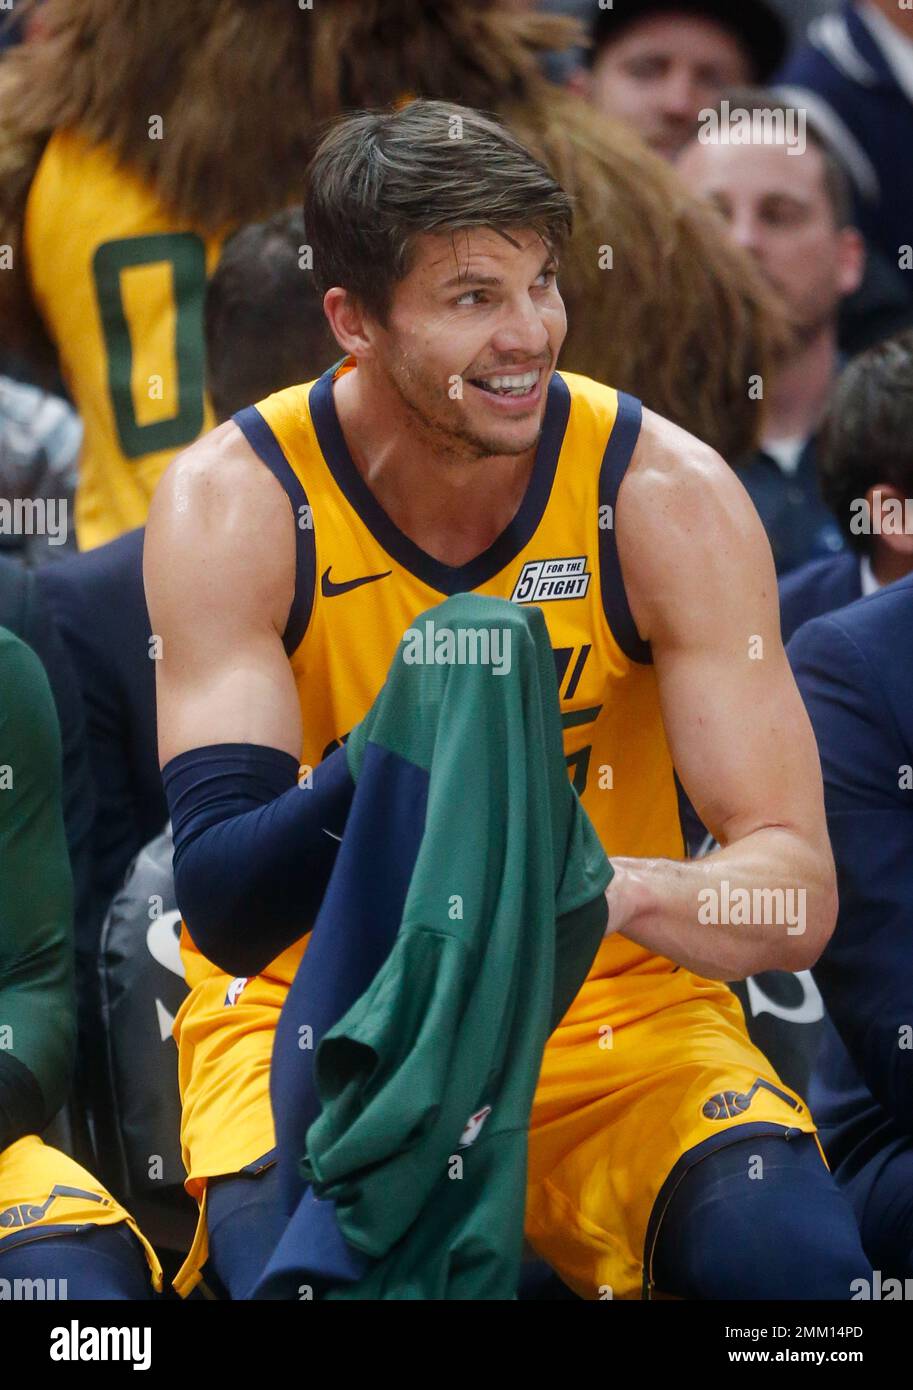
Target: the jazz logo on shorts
pixel 725 1104
pixel 542 580
pixel 28 1213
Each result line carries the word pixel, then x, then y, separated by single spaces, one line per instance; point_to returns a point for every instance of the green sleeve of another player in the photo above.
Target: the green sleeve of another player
pixel 37 1003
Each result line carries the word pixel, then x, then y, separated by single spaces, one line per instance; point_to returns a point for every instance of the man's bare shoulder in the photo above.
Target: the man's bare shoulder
pixel 676 481
pixel 667 456
pixel 689 536
pixel 219 511
pixel 218 475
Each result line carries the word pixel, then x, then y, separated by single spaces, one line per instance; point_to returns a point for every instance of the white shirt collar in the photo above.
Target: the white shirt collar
pixel 870 584
pixel 786 453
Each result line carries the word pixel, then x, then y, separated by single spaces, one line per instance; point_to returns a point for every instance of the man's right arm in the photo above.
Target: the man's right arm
pixel 219 570
pixel 252 855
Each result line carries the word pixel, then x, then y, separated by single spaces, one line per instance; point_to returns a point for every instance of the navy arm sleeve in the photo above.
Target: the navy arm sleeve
pixel 866 972
pixel 254 847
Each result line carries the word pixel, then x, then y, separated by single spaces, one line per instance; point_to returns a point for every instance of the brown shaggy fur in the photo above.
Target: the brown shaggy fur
pixel 681 321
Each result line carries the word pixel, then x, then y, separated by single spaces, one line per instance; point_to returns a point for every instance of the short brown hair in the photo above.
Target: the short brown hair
pixel 378 179
pixel 865 439
pixel 264 321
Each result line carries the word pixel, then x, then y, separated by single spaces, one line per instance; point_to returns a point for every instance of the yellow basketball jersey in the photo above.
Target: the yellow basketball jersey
pixel 119 282
pixel 558 553
pixel 631 1077
pixel 360 585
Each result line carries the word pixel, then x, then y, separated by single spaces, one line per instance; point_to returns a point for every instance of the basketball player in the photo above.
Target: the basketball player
pixel 286 554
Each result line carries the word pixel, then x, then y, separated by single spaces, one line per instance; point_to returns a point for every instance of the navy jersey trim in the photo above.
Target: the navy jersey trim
pixel 692 829
pixel 265 444
pixel 446 579
pixel 619 450
pixel 261 1164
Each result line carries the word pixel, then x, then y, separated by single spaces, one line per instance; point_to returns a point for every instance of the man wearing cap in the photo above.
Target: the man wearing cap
pixel 656 63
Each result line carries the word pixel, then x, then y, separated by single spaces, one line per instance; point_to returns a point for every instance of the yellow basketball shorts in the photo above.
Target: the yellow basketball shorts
pixel 628 1098
pixel 43 1192
pixel 648 1071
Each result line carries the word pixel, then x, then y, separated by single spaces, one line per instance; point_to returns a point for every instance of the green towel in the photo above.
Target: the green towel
pixel 37 1005
pixel 504 913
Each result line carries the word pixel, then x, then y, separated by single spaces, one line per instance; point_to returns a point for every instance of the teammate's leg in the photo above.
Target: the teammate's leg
pixel 100 1263
pixel 881 1194
pixel 244 1218
pixel 759 1219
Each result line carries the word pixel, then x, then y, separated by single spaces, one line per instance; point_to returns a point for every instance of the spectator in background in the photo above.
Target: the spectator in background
pixel 866 468
pixel 39 447
pixel 790 208
pixel 264 323
pixel 855 76
pixel 265 329
pixel 855 671
pixel 656 64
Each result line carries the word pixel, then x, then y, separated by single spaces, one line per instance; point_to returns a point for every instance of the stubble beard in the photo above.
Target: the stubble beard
pixel 445 433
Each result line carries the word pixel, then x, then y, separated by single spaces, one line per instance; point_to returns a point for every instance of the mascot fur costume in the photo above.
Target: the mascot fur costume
pixel 135 139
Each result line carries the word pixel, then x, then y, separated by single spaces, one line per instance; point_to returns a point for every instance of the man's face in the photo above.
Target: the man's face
pixel 777 208
pixel 662 71
pixel 472 339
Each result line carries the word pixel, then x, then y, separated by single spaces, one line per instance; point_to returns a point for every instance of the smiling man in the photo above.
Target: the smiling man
pixel 286 555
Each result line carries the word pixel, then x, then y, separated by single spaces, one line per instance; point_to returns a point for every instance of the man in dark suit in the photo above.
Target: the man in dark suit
pixel 819 587
pixel 855 671
pixel 866 472
pixel 100 610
